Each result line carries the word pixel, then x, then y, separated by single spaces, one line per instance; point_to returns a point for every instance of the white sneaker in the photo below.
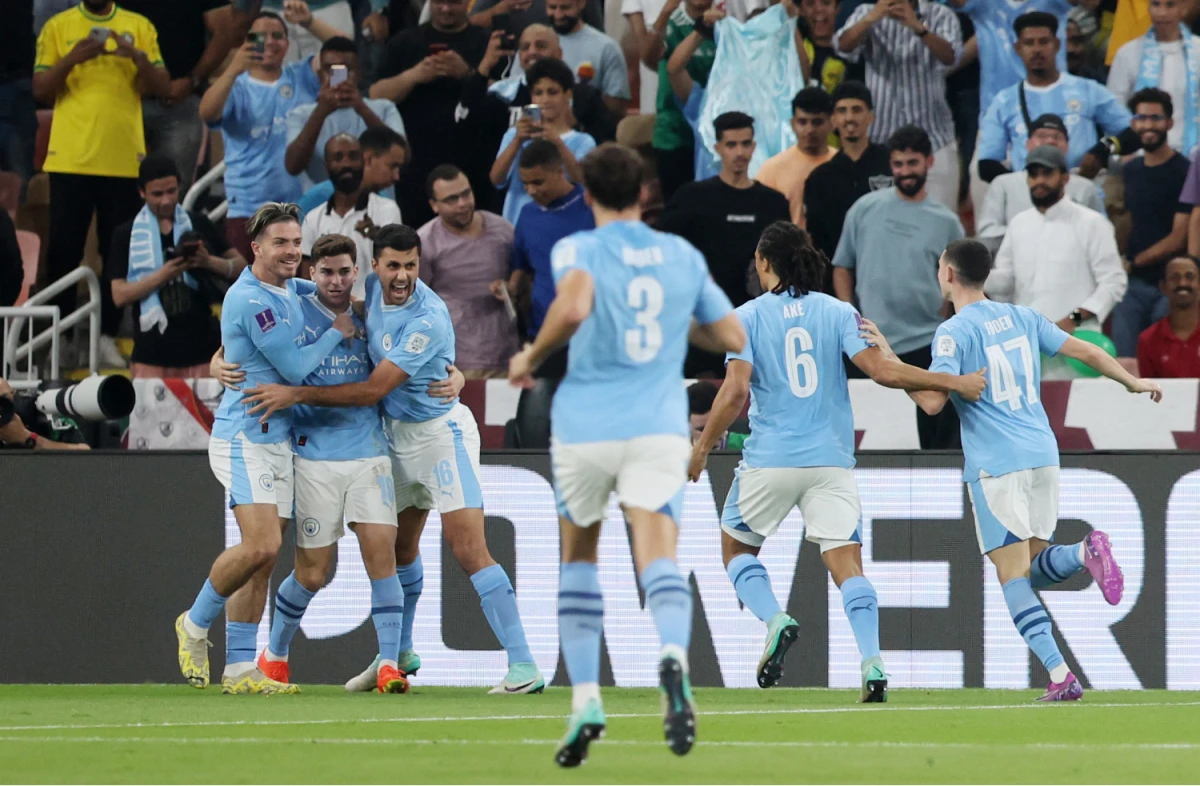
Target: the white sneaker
pixel 108 354
pixel 366 681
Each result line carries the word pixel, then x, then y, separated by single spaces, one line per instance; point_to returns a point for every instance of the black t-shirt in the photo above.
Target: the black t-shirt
pixel 1152 198
pixel 182 35
pixel 965 78
pixel 833 187
pixel 12 267
pixel 193 333
pixel 16 56
pixel 724 223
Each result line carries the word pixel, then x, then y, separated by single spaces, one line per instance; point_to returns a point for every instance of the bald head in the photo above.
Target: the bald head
pixel 344 163
pixel 538 41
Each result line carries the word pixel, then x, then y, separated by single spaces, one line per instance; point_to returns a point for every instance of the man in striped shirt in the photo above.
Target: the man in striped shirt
pixel 909 46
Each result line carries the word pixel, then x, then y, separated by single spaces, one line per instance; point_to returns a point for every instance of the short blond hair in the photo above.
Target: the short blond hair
pixel 271 213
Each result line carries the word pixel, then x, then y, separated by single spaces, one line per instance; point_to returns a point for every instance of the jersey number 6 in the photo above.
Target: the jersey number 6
pixel 797 344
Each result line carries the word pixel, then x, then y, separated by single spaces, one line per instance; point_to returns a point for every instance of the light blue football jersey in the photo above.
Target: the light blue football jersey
pixel 1007 429
pixel 625 367
pixel 336 433
pixel 800 412
pixel 261 327
pixel 419 338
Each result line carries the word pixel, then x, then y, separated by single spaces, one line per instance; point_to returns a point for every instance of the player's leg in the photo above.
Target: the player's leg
pixel 753 510
pixel 1002 523
pixel 411 572
pixel 580 627
pixel 313 565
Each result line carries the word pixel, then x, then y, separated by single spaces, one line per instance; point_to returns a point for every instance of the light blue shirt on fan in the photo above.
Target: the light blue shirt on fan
pixel 515 200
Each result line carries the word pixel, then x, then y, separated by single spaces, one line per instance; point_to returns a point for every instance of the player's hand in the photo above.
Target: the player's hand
pixel 520 369
pixel 971 386
pixel 447 390
pixel 1146 386
pixel 269 399
pixel 359 307
pixel 345 325
pixel 225 373
pixel 870 332
pixel 697 463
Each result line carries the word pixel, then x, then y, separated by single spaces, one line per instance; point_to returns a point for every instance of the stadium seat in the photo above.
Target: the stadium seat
pixel 10 192
pixel 31 246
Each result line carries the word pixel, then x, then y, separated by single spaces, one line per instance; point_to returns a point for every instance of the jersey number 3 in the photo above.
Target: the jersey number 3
pixel 801 367
pixel 1004 387
pixel 645 297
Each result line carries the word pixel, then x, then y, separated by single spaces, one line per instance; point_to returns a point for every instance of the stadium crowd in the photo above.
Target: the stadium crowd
pixel 915 123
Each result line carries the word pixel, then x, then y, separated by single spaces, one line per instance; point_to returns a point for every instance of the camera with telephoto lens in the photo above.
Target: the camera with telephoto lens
pixel 95 398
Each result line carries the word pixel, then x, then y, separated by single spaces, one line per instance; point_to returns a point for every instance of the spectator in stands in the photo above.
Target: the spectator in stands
pixel 962 94
pixel 592 56
pixel 1170 348
pixel 18 112
pixel 592 115
pixel 515 16
pixel 690 94
pixel 828 68
pixel 16 436
pixel 249 103
pixel 858 168
pixel 339 109
pixel 171 265
pixel 909 46
pixel 788 171
pixel 1058 258
pixel 465 258
pixel 385 154
pixel 1084 104
pixel 1166 57
pixel 887 259
pixel 1153 183
pixel 423 72
pixel 354 210
pixel 1081 60
pixel 12 265
pixel 305 18
pixel 1008 194
pixel 550 83
pixel 96 140
pixel 195 37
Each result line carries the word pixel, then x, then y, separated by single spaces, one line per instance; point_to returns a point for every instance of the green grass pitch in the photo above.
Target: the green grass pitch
pixel 176 734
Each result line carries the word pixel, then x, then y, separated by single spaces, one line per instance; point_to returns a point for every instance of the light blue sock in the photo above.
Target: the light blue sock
pixel 669 598
pixel 387 612
pixel 1032 622
pixel 1054 565
pixel 240 642
pixel 862 609
pixel 499 604
pixel 580 621
pixel 207 606
pixel 753 586
pixel 412 581
pixel 290 604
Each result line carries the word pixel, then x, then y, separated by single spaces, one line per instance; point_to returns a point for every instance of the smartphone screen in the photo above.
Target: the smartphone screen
pixel 99 34
pixel 509 308
pixel 337 75
pixel 533 112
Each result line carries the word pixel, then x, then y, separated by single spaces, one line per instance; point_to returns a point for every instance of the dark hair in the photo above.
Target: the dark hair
pixel 272 213
pixel 970 259
pixel 270 15
pixel 156 166
pixel 333 245
pixel 912 138
pixel 813 101
pixel 701 396
pixel 440 172
pixel 540 153
pixel 1152 95
pixel 381 139
pixel 613 175
pixel 852 89
pixel 339 43
pixel 732 121
pixel 1195 260
pixel 397 237
pixel 1036 19
pixel 799 265
pixel 553 69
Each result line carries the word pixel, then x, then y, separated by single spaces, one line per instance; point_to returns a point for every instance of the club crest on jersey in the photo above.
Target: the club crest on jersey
pixel 417 343
pixel 265 320
pixel 945 346
pixel 311 527
pixel 387 342
pixel 267 482
pixel 286 92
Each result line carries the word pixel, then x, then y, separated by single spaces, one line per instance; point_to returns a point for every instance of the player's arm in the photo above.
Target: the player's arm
pixel 729 403
pixel 716 326
pixel 295 363
pixel 1101 361
pixel 386 377
pixel 930 390
pixel 571 306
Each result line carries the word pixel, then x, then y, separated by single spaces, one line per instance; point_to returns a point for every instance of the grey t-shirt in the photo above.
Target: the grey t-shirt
pixel 893 246
pixel 593 15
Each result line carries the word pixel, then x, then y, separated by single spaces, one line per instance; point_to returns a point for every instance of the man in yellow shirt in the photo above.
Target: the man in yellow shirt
pixel 788 171
pixel 94 63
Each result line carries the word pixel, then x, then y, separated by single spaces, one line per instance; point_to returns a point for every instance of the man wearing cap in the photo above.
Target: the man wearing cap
pixel 1008 194
pixel 1058 258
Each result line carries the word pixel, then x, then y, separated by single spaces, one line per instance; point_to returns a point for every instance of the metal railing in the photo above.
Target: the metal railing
pixel 201 186
pixel 35 308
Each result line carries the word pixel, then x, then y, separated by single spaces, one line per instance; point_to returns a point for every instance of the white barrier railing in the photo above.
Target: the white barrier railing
pixel 36 307
pixel 201 186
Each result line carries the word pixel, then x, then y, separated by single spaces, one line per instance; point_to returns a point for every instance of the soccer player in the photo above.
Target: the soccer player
pixel 801 445
pixel 626 295
pixel 261 324
pixel 1010 453
pixel 434 447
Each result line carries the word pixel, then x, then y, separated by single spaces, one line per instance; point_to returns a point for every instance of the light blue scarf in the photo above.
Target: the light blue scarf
pixel 146 256
pixel 1150 74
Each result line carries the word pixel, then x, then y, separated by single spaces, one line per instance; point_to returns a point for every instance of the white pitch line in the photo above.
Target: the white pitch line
pixel 1186 746
pixel 472 718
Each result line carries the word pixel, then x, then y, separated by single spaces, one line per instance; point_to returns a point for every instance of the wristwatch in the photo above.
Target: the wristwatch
pixel 924 32
pixel 31 441
pixel 1076 316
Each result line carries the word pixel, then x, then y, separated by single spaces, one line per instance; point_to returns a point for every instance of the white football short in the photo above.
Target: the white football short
pixel 436 463
pixel 331 493
pixel 646 472
pixel 1015 507
pixel 762 497
pixel 252 473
